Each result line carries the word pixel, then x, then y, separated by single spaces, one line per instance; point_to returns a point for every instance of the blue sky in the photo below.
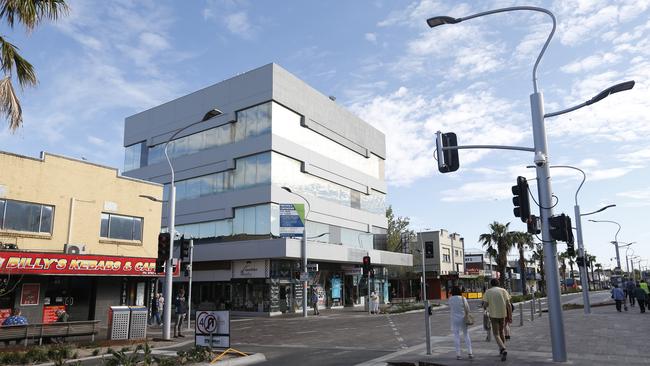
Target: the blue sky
pixel 110 59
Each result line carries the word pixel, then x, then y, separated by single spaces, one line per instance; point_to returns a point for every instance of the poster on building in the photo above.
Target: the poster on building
pixel 212 329
pixel 30 294
pixel 49 313
pixel 292 220
pixel 250 269
pixel 336 288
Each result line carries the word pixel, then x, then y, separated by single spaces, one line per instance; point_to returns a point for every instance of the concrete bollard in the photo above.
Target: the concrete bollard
pixel 521 314
pixel 539 306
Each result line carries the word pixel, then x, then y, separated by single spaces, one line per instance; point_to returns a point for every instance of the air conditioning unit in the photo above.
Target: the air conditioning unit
pixel 74 249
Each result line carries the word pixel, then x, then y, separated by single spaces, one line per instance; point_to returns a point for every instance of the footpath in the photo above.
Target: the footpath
pixel 604 337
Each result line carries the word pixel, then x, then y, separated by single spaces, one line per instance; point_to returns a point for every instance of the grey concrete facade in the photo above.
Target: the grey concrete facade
pixel 318 114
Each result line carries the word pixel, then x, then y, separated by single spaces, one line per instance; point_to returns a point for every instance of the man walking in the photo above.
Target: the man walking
pixel 619 297
pixel 180 306
pixel 155 310
pixel 631 290
pixel 641 297
pixel 497 301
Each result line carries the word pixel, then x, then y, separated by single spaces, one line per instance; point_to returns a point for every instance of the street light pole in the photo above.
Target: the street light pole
pixel 615 242
pixel 303 253
pixel 167 308
pixel 189 290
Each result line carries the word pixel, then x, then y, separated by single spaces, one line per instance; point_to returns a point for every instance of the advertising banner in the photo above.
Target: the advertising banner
pixel 336 287
pixel 30 294
pixel 292 220
pixel 49 313
pixel 76 264
pixel 250 269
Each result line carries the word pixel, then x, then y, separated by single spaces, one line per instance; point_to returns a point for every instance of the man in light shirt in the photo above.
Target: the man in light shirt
pixel 497 301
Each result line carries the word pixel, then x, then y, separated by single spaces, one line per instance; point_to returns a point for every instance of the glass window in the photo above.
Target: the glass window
pixel 249 220
pixel 133 156
pixel 25 216
pixel 263 219
pixel 120 227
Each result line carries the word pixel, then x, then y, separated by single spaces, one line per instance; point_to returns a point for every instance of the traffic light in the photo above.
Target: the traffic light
pixel 366 265
pixel 371 273
pixel 447 159
pixel 163 245
pixel 185 247
pixel 560 227
pixel 520 199
pixel 580 261
pixel 533 225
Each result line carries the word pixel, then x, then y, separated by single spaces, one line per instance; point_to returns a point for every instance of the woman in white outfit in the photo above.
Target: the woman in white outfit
pixel 458 307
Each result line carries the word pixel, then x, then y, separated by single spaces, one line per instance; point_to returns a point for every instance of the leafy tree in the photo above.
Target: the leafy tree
pixel 498 242
pixel 29 13
pixel 397 228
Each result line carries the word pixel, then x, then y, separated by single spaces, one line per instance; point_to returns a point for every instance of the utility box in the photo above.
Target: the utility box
pixel 118 322
pixel 138 322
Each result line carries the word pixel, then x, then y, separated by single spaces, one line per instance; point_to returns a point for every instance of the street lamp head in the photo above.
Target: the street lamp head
pixel 211 114
pixel 611 90
pixel 151 198
pixel 287 189
pixel 440 20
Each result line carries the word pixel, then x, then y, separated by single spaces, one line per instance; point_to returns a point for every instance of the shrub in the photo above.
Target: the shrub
pixel 36 355
pixel 95 352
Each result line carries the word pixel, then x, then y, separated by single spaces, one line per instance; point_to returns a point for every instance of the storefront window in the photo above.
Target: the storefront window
pixel 25 216
pixel 121 227
pixel 251 295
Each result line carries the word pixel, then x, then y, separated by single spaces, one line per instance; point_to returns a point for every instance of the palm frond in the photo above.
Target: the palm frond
pixel 9 104
pixel 10 60
pixel 31 12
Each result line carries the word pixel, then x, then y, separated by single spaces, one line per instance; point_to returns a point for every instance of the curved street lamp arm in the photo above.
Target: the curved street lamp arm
pixel 436 21
pixel 597 211
pixel 584 177
pixel 627 85
pixel 303 198
pixel 612 222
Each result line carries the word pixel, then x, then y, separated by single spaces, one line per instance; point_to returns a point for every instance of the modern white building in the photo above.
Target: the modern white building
pixel 274 131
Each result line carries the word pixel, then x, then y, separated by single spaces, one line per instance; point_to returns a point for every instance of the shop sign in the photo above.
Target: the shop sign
pixel 292 220
pixel 250 269
pixel 212 329
pixel 30 294
pixel 49 313
pixel 351 270
pixel 76 264
pixel 473 259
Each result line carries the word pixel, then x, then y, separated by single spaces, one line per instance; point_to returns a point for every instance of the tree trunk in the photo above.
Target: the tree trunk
pixel 522 269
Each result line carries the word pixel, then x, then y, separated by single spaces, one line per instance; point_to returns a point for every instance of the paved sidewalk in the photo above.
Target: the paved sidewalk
pixel 604 337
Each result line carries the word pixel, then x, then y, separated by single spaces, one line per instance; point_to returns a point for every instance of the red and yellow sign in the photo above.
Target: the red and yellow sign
pixel 49 313
pixel 75 264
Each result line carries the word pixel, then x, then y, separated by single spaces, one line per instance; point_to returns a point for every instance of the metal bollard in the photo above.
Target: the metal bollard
pixel 521 314
pixel 532 309
pixel 539 306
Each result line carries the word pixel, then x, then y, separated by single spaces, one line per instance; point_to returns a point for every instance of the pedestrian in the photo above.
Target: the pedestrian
pixel 180 308
pixel 460 317
pixel 644 286
pixel 497 301
pixel 374 303
pixel 619 297
pixel 631 290
pixel 641 297
pixel 314 300
pixel 15 318
pixel 155 310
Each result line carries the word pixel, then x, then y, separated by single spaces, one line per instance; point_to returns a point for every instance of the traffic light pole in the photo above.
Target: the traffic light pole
pixel 189 290
pixel 556 321
pixel 427 323
pixel 167 307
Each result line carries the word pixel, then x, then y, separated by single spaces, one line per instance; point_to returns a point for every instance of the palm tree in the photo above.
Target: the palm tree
pixel 498 242
pixel 29 13
pixel 592 259
pixel 562 258
pixel 522 241
pixel 599 270
pixel 538 255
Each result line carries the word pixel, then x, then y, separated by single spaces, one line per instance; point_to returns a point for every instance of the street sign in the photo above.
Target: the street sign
pixel 312 267
pixel 292 220
pixel 212 329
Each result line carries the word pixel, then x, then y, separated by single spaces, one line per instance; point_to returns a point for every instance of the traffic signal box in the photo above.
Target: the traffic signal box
pixel 163 251
pixel 366 265
pixel 185 247
pixel 450 161
pixel 560 227
pixel 520 199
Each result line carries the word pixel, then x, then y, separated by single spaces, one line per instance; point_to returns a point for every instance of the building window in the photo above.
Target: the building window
pixel 428 249
pixel 121 227
pixel 133 156
pixel 445 255
pixel 456 253
pixel 25 216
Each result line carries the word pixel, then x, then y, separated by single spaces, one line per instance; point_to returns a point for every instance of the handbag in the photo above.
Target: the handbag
pixel 469 319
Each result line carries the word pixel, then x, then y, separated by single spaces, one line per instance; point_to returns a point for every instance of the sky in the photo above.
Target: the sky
pixel 108 60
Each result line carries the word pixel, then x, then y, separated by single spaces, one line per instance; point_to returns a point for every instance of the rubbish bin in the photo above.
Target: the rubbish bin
pixel 118 322
pixel 138 322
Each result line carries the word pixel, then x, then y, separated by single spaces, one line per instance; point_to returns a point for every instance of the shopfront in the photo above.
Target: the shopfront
pixel 85 286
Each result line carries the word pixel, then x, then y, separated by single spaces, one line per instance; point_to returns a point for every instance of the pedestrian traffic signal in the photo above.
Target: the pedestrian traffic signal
pixel 185 247
pixel 520 199
pixel 366 265
pixel 533 224
pixel 560 228
pixel 163 246
pixel 447 159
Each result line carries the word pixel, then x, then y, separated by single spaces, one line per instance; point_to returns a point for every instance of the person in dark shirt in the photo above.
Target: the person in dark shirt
pixel 180 309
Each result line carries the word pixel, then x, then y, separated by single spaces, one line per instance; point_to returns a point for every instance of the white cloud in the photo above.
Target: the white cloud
pixel 478 191
pixel 371 37
pixel 638 198
pixel 591 62
pixel 232 15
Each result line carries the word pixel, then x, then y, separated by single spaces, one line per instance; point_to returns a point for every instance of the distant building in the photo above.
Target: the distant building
pixel 444 260
pixel 275 131
pixel 76 235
